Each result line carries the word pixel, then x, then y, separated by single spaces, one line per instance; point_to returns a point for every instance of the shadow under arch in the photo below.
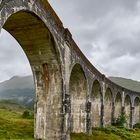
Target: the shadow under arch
pixel 127 110
pixel 118 105
pixel 44 58
pixel 108 107
pixel 96 99
pixel 136 110
pixel 78 93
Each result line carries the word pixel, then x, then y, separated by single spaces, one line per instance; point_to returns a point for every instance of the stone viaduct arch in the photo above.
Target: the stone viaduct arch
pixel 108 107
pixel 127 109
pixel 77 91
pixel 96 99
pixel 70 92
pixel 118 105
pixel 39 46
pixel 26 25
pixel 136 110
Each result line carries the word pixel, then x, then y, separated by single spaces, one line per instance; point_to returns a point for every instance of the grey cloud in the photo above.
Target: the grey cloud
pixel 118 48
pixel 91 9
pixel 107 31
pixel 10 49
pixel 12 59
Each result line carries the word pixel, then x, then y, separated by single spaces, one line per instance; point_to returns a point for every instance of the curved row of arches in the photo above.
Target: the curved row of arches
pixel 105 107
pixel 38 40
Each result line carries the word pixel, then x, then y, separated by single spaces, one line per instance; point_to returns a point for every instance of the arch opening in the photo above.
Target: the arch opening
pixel 108 107
pixel 77 90
pixel 118 105
pixel 127 109
pixel 136 110
pixel 41 50
pixel 17 91
pixel 96 98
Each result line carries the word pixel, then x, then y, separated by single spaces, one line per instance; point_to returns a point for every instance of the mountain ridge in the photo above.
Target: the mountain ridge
pixel 126 83
pixel 21 88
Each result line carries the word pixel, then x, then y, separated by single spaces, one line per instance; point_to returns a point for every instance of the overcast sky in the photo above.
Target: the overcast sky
pixel 13 61
pixel 107 31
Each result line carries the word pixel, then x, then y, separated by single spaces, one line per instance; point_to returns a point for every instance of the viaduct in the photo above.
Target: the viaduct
pixel 71 94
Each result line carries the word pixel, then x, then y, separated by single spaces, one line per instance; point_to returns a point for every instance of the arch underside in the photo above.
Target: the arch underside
pixel 40 49
pixel 108 107
pixel 118 105
pixel 127 105
pixel 96 99
pixel 136 111
pixel 77 90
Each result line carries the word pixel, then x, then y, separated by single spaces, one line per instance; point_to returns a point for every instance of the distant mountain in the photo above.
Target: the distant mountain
pixel 18 82
pixel 19 89
pixel 127 83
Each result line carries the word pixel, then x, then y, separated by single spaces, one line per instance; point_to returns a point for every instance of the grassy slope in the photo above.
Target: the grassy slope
pixel 111 133
pixel 12 125
pixel 127 83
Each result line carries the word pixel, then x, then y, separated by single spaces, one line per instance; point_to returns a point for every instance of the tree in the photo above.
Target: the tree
pixel 121 120
pixel 26 114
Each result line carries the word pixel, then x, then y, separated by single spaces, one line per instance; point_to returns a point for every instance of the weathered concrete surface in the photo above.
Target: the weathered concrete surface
pixel 71 94
pixel 136 110
pixel 78 99
pixel 127 106
pixel 108 107
pixel 96 99
pixel 118 105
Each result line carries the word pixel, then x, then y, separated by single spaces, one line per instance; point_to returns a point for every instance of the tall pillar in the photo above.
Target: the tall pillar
pixel 123 107
pixel 103 90
pixel 88 117
pixel 66 104
pixel 113 112
pixel 102 115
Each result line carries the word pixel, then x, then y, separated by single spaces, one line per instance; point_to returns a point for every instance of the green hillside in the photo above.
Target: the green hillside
pixel 18 82
pixel 11 106
pixel 110 133
pixel 12 125
pixel 127 83
pixel 19 89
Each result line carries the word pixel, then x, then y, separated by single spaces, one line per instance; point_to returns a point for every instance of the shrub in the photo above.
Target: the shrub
pixel 121 120
pixel 26 114
pixel 137 125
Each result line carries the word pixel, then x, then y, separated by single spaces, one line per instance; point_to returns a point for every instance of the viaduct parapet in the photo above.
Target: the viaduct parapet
pixel 71 94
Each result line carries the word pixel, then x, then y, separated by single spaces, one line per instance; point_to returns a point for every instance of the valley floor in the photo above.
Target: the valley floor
pixel 110 133
pixel 13 126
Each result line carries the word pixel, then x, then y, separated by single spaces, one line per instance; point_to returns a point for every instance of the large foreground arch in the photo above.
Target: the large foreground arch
pixel 43 54
pixel 77 91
